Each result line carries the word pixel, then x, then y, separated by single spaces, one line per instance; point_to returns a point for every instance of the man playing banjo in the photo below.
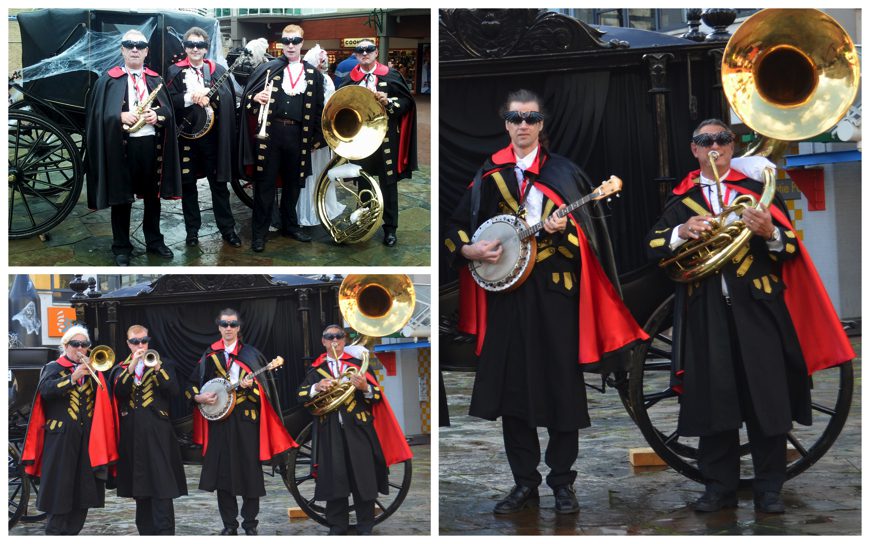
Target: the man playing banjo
pixel 531 338
pixel 237 431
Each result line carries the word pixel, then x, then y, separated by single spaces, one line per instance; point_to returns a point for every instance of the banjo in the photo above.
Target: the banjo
pixel 518 243
pixel 226 393
pixel 197 121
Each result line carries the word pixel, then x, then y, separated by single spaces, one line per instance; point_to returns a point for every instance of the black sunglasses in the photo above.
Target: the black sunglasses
pixel 334 335
pixel 517 117
pixel 296 40
pixel 231 324
pixel 195 45
pixel 720 138
pixel 130 44
pixel 137 341
pixel 79 343
pixel 365 49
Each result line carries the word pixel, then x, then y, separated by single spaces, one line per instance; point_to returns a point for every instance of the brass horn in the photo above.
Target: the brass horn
pixel 151 358
pixel 101 358
pixel 786 85
pixel 354 124
pixel 374 306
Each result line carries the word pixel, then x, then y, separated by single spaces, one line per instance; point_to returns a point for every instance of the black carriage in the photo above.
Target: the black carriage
pixel 63 52
pixel 602 80
pixel 283 316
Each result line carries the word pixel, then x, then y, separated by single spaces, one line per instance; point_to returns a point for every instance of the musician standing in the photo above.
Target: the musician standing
pixel 123 166
pixel 293 131
pixel 213 155
pixel 149 467
pixel 742 360
pixel 70 437
pixel 234 447
pixel 396 158
pixel 531 339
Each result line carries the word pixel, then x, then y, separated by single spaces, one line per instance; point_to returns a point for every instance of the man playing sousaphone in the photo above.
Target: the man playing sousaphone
pixel 149 467
pixel 355 442
pixel 234 447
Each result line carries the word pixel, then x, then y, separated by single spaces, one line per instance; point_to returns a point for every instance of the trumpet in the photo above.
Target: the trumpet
pixel 151 358
pixel 140 111
pixel 264 110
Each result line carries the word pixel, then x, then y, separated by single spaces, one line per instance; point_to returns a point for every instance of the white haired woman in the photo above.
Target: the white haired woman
pixel 71 437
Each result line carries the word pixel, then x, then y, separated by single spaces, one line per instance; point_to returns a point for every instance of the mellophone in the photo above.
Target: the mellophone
pixel 226 393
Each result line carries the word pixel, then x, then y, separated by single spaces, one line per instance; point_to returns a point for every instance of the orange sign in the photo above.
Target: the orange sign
pixel 59 320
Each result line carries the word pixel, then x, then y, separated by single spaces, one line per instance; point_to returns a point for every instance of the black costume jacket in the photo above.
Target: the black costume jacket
pixel 765 341
pixel 70 440
pixel 356 430
pixel 109 181
pixel 224 105
pixel 528 338
pixel 396 159
pixel 252 151
pixel 149 464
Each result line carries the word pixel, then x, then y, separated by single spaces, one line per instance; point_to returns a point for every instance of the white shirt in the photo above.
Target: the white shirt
pixel 193 82
pixel 294 73
pixel 235 369
pixel 136 95
pixel 534 201
pixel 370 82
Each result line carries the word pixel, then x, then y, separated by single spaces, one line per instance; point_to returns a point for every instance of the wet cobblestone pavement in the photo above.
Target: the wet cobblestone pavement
pixel 197 513
pixel 616 499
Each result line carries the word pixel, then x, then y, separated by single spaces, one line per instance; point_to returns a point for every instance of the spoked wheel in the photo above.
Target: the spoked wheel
pixel 655 407
pixel 300 482
pixel 45 174
pixel 244 189
pixel 19 488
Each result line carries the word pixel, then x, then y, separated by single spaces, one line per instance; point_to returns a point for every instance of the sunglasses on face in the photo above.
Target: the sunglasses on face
pixel 79 343
pixel 517 117
pixel 334 335
pixel 231 324
pixel 296 40
pixel 361 49
pixel 720 138
pixel 195 45
pixel 130 44
pixel 137 341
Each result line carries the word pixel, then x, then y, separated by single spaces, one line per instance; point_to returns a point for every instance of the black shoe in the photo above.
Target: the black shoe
pixel 233 239
pixel 258 244
pixel 769 502
pixel 192 241
pixel 390 239
pixel 227 531
pixel 122 259
pixel 252 531
pixel 713 501
pixel 297 234
pixel 566 500
pixel 519 497
pixel 161 250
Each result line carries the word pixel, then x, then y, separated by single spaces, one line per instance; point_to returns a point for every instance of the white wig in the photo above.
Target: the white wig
pixel 72 332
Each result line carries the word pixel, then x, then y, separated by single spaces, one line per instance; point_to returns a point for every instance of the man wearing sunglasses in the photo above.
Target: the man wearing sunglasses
pixel 149 466
pixel 123 166
pixel 354 444
pixel 396 158
pixel 253 432
pixel 535 341
pixel 741 360
pixel 212 155
pixel 295 106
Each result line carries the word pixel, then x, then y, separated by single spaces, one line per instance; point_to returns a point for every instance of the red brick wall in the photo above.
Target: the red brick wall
pixel 337 28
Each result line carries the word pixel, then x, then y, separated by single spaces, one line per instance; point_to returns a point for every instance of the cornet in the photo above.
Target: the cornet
pixel 264 110
pixel 151 358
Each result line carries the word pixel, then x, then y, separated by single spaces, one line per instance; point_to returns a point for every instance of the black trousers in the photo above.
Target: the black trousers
pixel 203 159
pixel 141 159
pixel 229 510
pixel 155 516
pixel 282 159
pixel 524 453
pixel 338 510
pixel 70 523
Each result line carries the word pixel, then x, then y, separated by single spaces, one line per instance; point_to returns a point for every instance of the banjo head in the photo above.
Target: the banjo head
pixel 226 399
pixel 516 253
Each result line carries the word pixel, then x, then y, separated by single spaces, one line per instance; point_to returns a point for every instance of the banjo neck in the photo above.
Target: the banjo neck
pixel 275 363
pixel 533 229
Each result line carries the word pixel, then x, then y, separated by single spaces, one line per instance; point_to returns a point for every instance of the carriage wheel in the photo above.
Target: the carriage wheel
pixel 45 174
pixel 244 189
pixel 300 482
pixel 655 407
pixel 19 490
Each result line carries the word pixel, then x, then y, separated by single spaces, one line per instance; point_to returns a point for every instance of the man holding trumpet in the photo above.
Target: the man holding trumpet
pixel 283 103
pixel 149 466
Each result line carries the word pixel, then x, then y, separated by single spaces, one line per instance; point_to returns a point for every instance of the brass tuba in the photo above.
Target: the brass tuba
pixel 354 124
pixel 786 84
pixel 374 306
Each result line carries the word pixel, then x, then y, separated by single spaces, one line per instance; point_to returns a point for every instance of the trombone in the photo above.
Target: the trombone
pixel 101 358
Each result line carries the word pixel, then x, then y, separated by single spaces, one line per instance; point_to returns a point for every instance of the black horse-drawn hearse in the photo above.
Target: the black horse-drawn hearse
pixel 620 101
pixel 283 315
